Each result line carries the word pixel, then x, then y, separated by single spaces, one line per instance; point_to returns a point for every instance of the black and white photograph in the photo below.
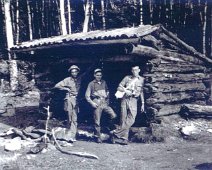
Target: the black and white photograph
pixel 105 84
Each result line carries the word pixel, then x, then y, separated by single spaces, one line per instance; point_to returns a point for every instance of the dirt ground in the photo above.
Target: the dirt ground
pixel 173 154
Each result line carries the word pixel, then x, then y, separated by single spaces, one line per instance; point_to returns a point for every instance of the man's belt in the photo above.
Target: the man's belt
pixel 97 97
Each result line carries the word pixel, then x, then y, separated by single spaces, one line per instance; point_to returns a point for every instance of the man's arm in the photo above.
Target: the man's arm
pixel 142 96
pixel 62 86
pixel 107 93
pixel 122 84
pixel 122 87
pixel 88 96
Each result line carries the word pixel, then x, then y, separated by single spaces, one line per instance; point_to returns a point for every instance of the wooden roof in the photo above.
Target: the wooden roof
pixel 122 35
pixel 116 36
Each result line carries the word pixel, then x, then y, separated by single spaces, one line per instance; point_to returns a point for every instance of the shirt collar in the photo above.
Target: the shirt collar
pixel 136 77
pixel 99 82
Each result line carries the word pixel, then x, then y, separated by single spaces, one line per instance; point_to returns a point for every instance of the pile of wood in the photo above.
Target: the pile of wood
pixel 42 137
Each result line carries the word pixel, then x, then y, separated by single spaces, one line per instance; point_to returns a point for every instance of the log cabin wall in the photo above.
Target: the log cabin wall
pixel 173 77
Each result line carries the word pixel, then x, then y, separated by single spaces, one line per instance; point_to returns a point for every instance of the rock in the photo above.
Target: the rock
pixel 189 130
pixel 63 134
pixel 29 129
pixel 38 148
pixel 10 111
pixel 4 69
pixel 5 129
pixel 83 133
pixel 209 130
pixel 13 145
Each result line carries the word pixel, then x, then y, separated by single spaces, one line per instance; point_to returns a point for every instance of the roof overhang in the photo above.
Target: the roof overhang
pixel 93 38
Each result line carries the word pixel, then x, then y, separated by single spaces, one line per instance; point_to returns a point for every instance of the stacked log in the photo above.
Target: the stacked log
pixel 170 84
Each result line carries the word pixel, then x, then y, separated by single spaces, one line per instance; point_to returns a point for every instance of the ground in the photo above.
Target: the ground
pixel 173 153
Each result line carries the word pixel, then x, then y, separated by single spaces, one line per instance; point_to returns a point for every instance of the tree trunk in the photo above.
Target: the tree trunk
pixel 141 12
pixel 204 30
pixel 59 19
pixel 29 20
pixel 13 74
pixel 17 21
pixel 87 16
pixel 38 19
pixel 103 15
pixel 10 42
pixel 91 14
pixel 63 19
pixel 151 11
pixel 211 34
pixel 49 20
pixel 43 17
pixel 69 17
pixel 9 30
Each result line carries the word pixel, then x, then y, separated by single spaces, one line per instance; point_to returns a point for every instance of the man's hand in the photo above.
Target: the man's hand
pixel 128 93
pixel 67 89
pixel 94 105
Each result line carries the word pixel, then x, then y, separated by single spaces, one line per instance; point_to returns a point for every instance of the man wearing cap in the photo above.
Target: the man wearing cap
pixel 71 85
pixel 97 95
pixel 132 86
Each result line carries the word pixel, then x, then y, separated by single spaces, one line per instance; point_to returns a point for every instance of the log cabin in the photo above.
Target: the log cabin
pixel 175 73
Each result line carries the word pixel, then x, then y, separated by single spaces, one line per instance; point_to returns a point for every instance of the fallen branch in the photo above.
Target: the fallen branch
pixel 20 133
pixel 46 139
pixel 42 131
pixel 80 154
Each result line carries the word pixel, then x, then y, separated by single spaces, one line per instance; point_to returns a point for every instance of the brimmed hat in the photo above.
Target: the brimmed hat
pixel 74 67
pixel 97 70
